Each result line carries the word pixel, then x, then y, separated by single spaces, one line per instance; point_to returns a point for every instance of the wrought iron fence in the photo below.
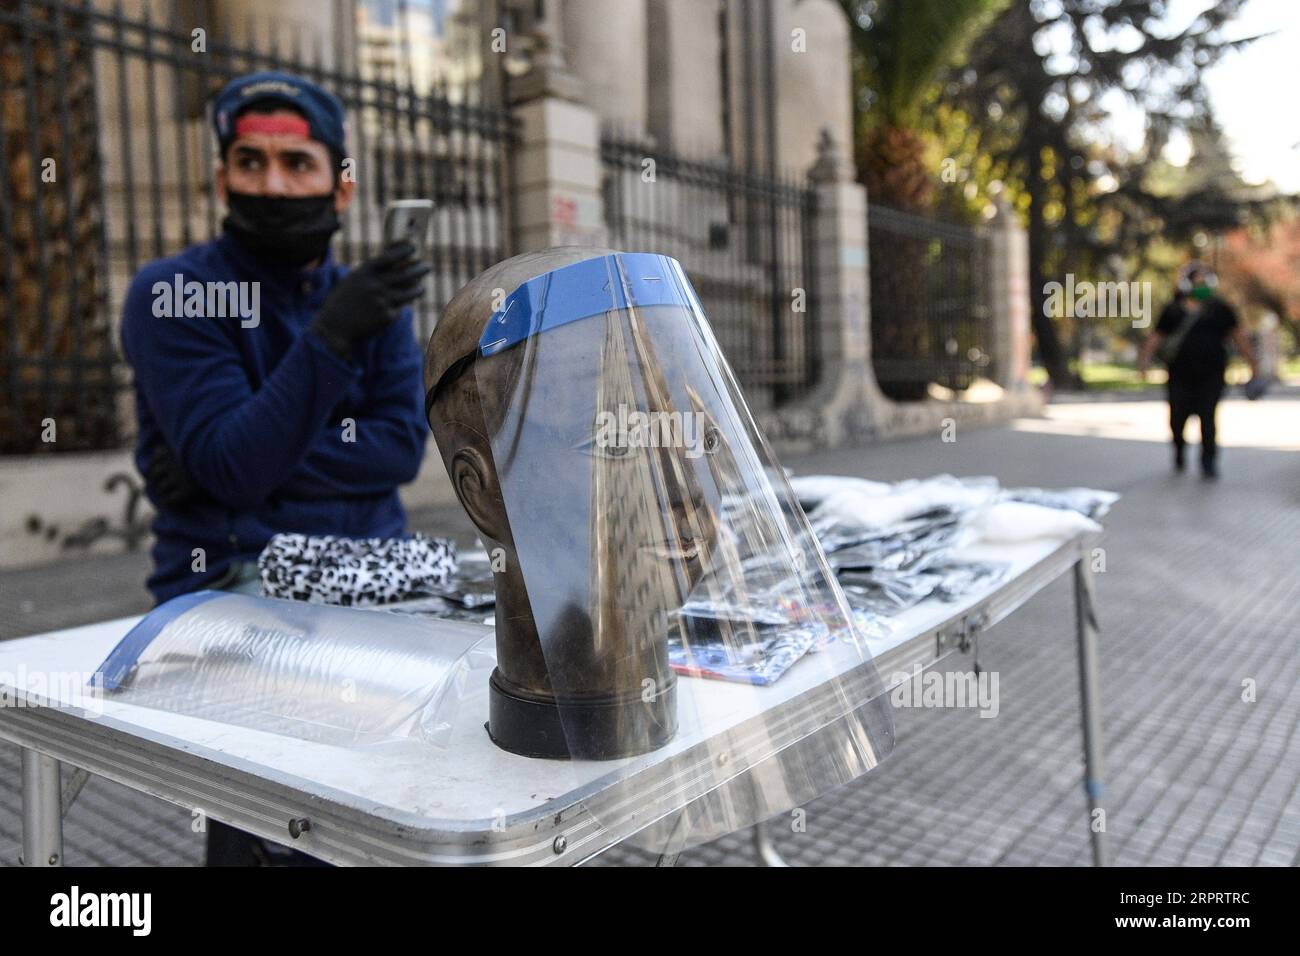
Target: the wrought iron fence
pixel 118 104
pixel 746 242
pixel 930 309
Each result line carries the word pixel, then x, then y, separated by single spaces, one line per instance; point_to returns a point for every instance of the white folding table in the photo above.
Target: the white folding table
pixel 469 802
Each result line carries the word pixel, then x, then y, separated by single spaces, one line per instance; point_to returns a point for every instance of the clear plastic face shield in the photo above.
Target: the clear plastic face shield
pixel 694 637
pixel 330 675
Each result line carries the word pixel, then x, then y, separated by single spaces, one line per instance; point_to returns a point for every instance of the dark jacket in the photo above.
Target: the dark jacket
pixel 254 414
pixel 1203 354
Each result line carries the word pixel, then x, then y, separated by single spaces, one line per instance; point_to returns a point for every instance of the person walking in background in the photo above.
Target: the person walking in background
pixel 1190 340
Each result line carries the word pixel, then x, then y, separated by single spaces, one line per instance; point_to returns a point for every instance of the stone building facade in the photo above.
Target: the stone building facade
pixel 742 107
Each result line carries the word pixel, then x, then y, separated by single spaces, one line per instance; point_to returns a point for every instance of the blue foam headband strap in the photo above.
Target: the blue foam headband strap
pixel 583 289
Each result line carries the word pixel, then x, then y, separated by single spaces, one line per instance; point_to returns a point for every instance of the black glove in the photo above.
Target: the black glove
pixel 370 298
pixel 167 481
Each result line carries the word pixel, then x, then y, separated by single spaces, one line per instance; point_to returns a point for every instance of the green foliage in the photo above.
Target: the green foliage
pixel 900 52
pixel 1039 86
pixel 903 47
pixel 1016 100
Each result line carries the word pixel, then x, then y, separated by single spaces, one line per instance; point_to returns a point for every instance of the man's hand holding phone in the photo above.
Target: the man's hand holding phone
pixel 370 298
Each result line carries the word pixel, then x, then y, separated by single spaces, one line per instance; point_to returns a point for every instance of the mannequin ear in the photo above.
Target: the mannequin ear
pixel 476 487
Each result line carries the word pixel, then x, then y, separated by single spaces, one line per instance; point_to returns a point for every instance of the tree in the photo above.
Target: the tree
pixel 901 49
pixel 1034 84
pixel 1262 269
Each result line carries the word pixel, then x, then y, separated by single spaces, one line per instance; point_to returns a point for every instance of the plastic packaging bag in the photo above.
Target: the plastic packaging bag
pixel 892 546
pixel 471 585
pixel 1089 502
pixel 853 503
pixel 326 674
pixel 1010 522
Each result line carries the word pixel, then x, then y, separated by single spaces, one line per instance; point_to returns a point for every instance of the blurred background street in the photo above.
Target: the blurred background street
pixel 1199 595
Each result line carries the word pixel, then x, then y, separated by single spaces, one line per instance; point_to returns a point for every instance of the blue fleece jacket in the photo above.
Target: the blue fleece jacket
pixel 254 412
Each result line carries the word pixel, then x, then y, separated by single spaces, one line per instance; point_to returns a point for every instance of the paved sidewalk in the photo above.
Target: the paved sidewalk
pixel 1200 595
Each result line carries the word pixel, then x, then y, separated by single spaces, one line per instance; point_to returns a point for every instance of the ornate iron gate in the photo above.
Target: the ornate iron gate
pixel 119 104
pixel 746 242
pixel 930 310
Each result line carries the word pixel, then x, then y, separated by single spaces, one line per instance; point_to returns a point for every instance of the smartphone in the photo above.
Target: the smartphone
pixel 408 220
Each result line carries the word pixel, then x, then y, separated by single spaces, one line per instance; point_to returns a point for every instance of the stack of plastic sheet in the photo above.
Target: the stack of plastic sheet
pixel 891 546
pixel 359 678
pixel 331 675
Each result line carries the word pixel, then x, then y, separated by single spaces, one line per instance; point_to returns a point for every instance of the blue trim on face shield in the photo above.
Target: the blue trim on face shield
pixel 583 289
pixel 122 658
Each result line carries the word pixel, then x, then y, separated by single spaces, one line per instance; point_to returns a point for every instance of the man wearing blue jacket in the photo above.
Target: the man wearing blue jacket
pixel 275 390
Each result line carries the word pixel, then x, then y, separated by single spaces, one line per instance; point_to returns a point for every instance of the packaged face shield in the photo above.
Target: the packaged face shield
pixel 657 537
pixel 331 675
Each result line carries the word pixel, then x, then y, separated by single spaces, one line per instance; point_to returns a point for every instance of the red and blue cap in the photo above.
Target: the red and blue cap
pixel 321 112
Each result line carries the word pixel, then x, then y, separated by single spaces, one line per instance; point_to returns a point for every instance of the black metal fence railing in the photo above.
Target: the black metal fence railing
pixel 107 161
pixel 930 307
pixel 745 240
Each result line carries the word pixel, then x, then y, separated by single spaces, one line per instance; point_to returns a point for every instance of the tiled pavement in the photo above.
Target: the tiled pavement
pixel 1200 594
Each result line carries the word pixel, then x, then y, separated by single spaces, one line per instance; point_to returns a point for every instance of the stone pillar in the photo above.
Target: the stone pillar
pixel 814 79
pixel 555 171
pixel 846 405
pixel 606 49
pixel 1009 299
pixel 684 99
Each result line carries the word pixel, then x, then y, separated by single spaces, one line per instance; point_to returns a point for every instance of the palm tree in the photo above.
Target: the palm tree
pixel 901 49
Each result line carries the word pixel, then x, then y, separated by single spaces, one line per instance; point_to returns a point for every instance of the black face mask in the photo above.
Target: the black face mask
pixel 283 230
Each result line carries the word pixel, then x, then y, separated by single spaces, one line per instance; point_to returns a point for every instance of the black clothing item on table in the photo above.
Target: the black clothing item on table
pixel 1203 353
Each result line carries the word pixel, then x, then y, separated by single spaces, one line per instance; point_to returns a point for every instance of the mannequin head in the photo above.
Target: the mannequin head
pixel 597 658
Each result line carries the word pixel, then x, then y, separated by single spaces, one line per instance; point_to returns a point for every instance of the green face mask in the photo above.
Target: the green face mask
pixel 1202 292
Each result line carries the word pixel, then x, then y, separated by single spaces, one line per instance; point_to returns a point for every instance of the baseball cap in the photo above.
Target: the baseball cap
pixel 321 109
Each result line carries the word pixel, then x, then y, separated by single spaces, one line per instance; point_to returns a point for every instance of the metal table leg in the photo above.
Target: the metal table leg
pixel 676 841
pixel 1086 626
pixel 42 810
pixel 765 848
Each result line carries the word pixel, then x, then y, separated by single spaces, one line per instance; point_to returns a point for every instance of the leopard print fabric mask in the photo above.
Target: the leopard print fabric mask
pixel 354 572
